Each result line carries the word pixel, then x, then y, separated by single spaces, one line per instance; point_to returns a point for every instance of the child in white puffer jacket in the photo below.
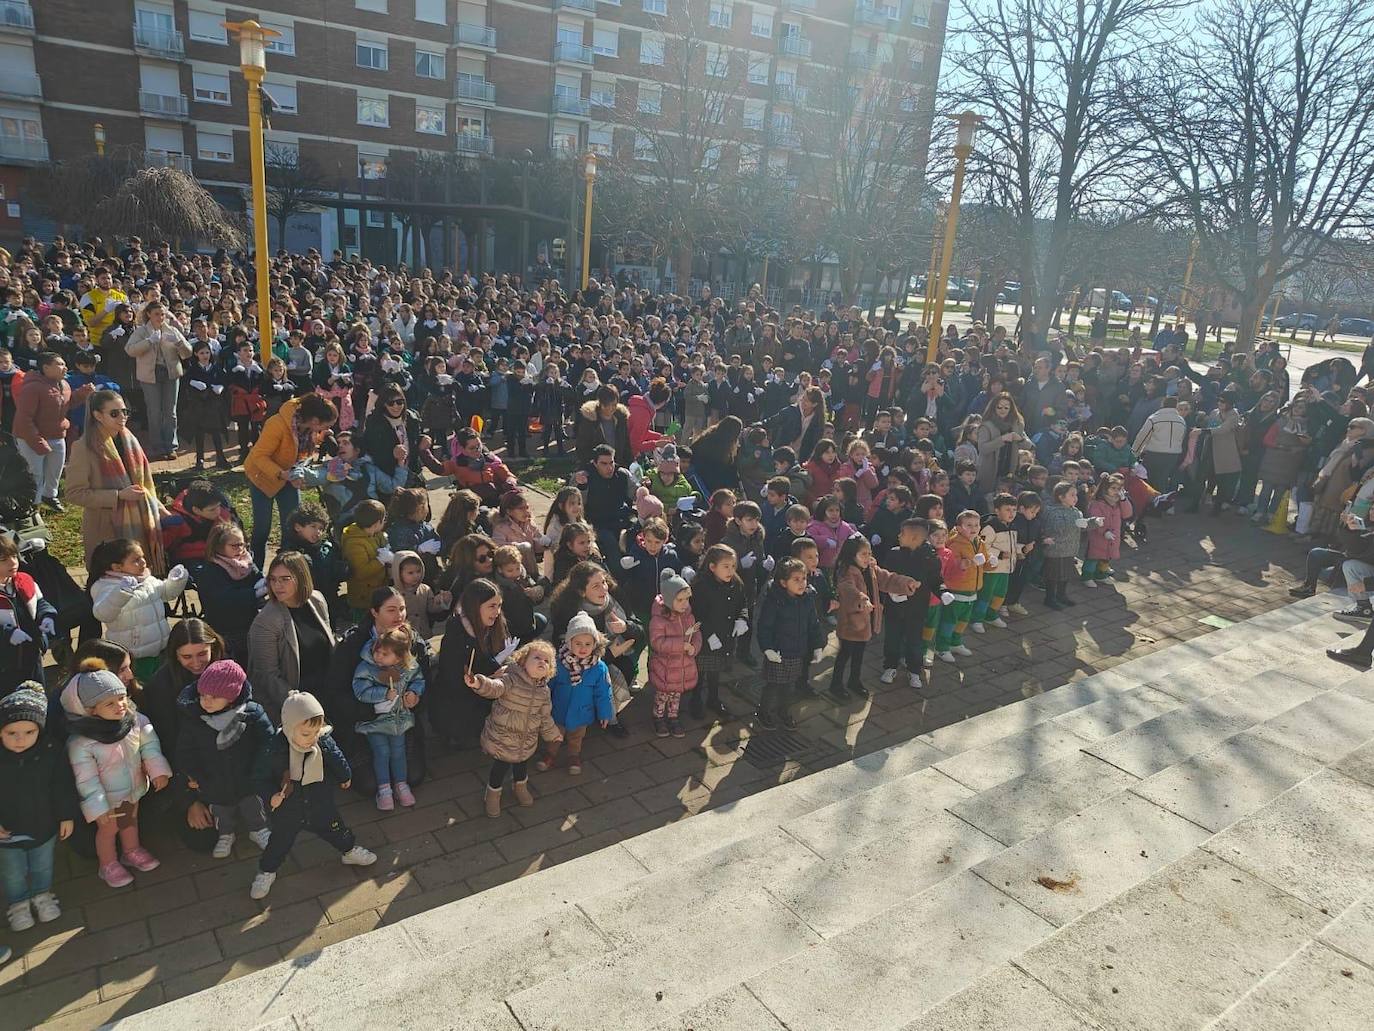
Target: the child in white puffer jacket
pixel 131 602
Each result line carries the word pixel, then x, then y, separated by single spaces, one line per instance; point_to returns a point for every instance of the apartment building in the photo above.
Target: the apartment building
pixel 358 84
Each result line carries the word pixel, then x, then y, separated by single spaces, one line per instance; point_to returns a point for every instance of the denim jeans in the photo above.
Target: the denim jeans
pixel 46 469
pixel 161 402
pixel 388 757
pixel 287 500
pixel 1268 500
pixel 26 872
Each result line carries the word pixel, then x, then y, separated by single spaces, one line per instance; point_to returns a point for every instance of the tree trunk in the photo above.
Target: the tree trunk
pixel 1158 315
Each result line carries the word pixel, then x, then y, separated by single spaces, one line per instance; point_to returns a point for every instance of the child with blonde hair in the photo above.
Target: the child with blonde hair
pixel 521 714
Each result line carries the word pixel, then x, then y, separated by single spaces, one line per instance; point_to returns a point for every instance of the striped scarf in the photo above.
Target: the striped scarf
pixel 575 666
pixel 119 466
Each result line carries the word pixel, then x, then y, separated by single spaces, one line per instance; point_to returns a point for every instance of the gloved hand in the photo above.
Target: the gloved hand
pixel 473 388
pixel 713 642
pixel 771 655
pixel 816 655
pixel 946 598
pixel 1109 535
pixel 629 562
pixel 385 555
pixel 741 627
pixel 545 540
pixel 898 597
pixel 505 653
pixel 444 379
pixel 980 559
pixel 18 637
pixel 830 542
pixel 688 573
pixel 48 627
pixel 196 384
pixel 430 547
pixel 260 588
pixel 747 562
pixel 876 539
pixel 178 572
pixel 218 388
pixel 686 504
pixel 636 472
pixel 1082 524
pixel 769 563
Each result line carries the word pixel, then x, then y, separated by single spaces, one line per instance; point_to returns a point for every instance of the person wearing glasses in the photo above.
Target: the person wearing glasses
pixel 108 477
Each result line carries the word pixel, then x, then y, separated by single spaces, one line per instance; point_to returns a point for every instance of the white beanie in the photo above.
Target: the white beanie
pixel 581 623
pixel 299 707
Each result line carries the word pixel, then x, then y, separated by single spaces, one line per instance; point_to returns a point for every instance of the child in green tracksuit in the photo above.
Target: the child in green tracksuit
pixel 1000 537
pixel 963 579
pixel 939 542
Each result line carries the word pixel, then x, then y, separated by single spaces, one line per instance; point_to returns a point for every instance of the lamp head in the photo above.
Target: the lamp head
pixel 968 122
pixel 589 169
pixel 99 131
pixel 252 42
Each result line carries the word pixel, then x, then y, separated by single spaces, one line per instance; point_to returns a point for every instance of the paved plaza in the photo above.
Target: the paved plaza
pixel 191 925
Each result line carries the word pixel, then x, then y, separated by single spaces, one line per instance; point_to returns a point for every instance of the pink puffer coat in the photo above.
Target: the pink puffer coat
pixel 671 669
pixel 1112 516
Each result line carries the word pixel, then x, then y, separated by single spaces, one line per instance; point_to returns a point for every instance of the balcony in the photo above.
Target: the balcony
pixel 798 5
pixel 586 6
pixel 655 6
pixel 604 99
pixel 789 93
pixel 23 149
pixel 910 104
pixel 866 15
pixel 863 60
pixel 472 90
pixel 23 85
pixel 794 46
pixel 16 16
pixel 572 53
pixel 473 143
pixel 167 159
pixel 166 43
pixel 787 139
pixel 721 18
pixel 470 34
pixel 571 104
pixel 162 105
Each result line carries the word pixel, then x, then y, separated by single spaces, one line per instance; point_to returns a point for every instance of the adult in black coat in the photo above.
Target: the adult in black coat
pixel 799 426
pixel 715 454
pixel 389 422
pixel 603 420
pixel 475 640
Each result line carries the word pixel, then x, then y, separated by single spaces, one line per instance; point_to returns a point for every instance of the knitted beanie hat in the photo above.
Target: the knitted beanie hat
pixel 667 456
pixel 24 703
pixel 94 686
pixel 670 585
pixel 222 679
pixel 298 707
pixel 581 623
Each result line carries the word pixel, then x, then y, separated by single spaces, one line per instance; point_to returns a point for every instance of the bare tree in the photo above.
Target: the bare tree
pixel 1265 130
pixel 294 185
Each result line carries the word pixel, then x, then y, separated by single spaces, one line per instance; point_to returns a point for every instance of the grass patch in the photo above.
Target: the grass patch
pixel 546 474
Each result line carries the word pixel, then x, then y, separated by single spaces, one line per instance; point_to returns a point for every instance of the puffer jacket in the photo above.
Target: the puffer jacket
pixel 1112 516
pixel 365 572
pixel 371 688
pixel 717 605
pixel 107 776
pixel 1001 543
pixel 1062 533
pixel 135 612
pixel 639 580
pixel 521 713
pixel 789 624
pixel 828 539
pixel 965 579
pixel 671 669
pixel 584 703
pixel 224 775
pixel 852 587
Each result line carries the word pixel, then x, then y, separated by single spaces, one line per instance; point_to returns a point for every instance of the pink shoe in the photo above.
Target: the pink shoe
pixel 384 800
pixel 404 794
pixel 142 860
pixel 115 875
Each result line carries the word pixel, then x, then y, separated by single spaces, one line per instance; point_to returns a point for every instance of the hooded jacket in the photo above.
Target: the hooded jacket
pixel 135 611
pixel 108 775
pixel 224 775
pixel 36 792
pixel 584 703
pixel 671 669
pixel 421 604
pixel 588 433
pixel 639 422
pixel 365 572
pixel 521 713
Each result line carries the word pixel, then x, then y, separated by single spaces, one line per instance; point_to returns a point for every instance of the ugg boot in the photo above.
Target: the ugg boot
pixel 493 801
pixel 522 792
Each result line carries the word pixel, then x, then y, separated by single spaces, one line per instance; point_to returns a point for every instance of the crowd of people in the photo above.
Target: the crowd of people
pixel 742 483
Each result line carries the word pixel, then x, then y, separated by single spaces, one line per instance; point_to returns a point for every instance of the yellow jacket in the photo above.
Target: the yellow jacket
pixel 274 452
pixel 365 572
pixel 969 580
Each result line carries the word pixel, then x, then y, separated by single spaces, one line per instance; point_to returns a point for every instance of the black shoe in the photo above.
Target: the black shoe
pixel 764 720
pixel 223 465
pixel 618 730
pixel 199 467
pixel 696 705
pixel 838 693
pixel 1053 603
pixel 54 504
pixel 786 720
pixel 1350 656
pixel 1302 591
pixel 858 690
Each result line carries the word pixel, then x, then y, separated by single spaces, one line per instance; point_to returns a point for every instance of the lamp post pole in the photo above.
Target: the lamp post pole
pixel 588 173
pixel 927 297
pixel 963 147
pixel 253 63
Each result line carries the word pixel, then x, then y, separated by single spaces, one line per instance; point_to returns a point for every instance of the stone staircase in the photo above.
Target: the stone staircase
pixel 1184 841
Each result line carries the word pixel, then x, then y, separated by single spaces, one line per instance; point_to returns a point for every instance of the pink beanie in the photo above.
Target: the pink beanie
pixel 223 679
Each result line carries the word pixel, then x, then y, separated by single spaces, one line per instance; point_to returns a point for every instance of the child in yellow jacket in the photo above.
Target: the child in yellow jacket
pixel 963 580
pixel 364 549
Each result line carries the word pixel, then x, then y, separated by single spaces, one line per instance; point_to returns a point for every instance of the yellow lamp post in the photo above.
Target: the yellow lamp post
pixel 963 147
pixel 927 297
pixel 589 174
pixel 99 131
pixel 253 63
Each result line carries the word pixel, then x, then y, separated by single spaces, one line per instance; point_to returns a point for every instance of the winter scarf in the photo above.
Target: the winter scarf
pixel 305 437
pixel 121 465
pixel 305 767
pixel 228 725
pixel 237 568
pixel 106 732
pixel 575 666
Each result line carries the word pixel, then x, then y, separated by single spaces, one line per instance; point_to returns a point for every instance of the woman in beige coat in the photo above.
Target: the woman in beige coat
pixel 999 438
pixel 290 644
pixel 158 349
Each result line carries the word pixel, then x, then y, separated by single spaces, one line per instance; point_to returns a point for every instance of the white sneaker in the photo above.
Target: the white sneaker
pixel 21 917
pixel 224 845
pixel 46 907
pixel 928 660
pixel 1090 584
pixel 946 656
pixel 889 675
pixel 1017 610
pixel 262 884
pixel 977 628
pixel 999 623
pixel 914 681
pixel 260 837
pixel 359 856
pixel 960 649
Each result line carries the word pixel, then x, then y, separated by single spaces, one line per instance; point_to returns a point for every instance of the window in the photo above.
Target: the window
pixel 762 25
pixel 644 147
pixel 720 16
pixel 214 146
pixel 371 5
pixel 600 139
pixel 920 14
pixel 375 219
pixel 429 120
pixel 283 96
pixel 650 99
pixel 373 111
pixel 650 49
pixel 210 87
pixel 429 65
pixel 372 166
pixel 564 139
pixel 753 114
pixel 785 76
pixel 710 159
pixel 717 62
pixel 283 152
pixel 207 28
pixel 748 159
pixel 606 42
pixel 285 42
pixel 371 55
pixel 431 11
pixel 655 6
pixel 758 70
pixel 602 94
pixel 918 61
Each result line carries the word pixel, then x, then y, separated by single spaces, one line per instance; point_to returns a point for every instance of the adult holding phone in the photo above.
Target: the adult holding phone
pixel 288 438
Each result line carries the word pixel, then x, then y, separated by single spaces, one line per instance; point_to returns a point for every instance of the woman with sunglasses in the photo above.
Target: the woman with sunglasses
pixel 108 477
pixel 392 437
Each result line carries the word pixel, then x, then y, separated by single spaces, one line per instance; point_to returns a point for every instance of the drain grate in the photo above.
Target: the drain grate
pixel 773 748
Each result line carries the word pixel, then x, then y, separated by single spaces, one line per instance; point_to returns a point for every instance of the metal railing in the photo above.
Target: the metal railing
pixel 870 15
pixel 798 5
pixel 794 46
pixel 571 104
pixel 161 42
pixel 474 91
pixel 572 53
pixel 788 139
pixel 162 105
pixel 469 34
pixel 16 16
pixel 789 93
pixel 19 84
pixel 23 148
pixel 655 6
pixel 473 143
pixel 167 159
pixel 863 59
pixel 577 5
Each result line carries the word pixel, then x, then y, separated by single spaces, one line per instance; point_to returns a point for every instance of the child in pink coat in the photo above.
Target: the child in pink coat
pixel 859 468
pixel 1111 506
pixel 674 640
pixel 828 529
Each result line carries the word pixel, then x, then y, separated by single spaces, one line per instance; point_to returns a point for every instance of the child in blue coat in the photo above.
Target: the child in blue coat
pixel 581 690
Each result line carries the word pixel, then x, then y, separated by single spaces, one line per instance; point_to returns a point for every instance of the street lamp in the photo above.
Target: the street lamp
pixel 253 63
pixel 589 174
pixel 963 147
pixel 99 131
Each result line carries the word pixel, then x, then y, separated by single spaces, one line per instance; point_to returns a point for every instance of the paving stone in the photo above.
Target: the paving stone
pixel 1026 805
pixel 1176 951
pixel 134 972
pixel 87 950
pixel 1116 713
pixel 1081 862
pixel 1353 931
pixel 1167 739
pixel 914 955
pixel 1326 727
pixel 1219 786
pixel 274 924
pixel 734 1010
pixel 1359 764
pixel 1317 988
pixel 1012 756
pixel 631 987
pixel 225 970
pixel 1316 840
pixel 1004 999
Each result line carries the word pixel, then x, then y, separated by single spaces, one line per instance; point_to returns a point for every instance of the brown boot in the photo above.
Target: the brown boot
pixel 522 792
pixel 493 801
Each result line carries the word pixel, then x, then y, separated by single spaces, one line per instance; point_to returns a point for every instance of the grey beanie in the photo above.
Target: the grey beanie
pixel 670 585
pixel 94 686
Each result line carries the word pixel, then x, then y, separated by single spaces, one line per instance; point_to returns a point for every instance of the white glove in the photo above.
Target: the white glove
pixel 689 574
pixel 430 547
pixel 636 471
pixel 260 588
pixel 686 504
pixel 1109 535
pixel 196 384
pixel 385 555
pixel 111 304
pixel 545 540
pixel 629 562
pixel 473 388
pixel 444 379
pixel 816 655
pixel 18 637
pixel 178 572
pixel 239 368
pixel 898 597
pixel 218 388
pixel 1082 524
pixel 741 627
pixel 979 559
pixel 771 655
pixel 946 598
pixel 830 542
pixel 509 650
pixel 48 627
pixel 876 539
pixel 747 562
pixel 768 563
pixel 713 642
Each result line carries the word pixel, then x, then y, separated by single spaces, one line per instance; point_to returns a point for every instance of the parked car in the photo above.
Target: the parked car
pixel 1009 294
pixel 1357 327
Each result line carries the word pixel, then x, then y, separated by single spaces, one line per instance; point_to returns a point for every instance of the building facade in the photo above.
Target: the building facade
pixel 358 84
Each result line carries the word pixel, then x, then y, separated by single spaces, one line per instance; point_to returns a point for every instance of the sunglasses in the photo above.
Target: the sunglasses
pixel 120 413
pixel 397 401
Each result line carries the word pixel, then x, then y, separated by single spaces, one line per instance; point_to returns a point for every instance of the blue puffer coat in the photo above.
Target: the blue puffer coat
pixel 582 704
